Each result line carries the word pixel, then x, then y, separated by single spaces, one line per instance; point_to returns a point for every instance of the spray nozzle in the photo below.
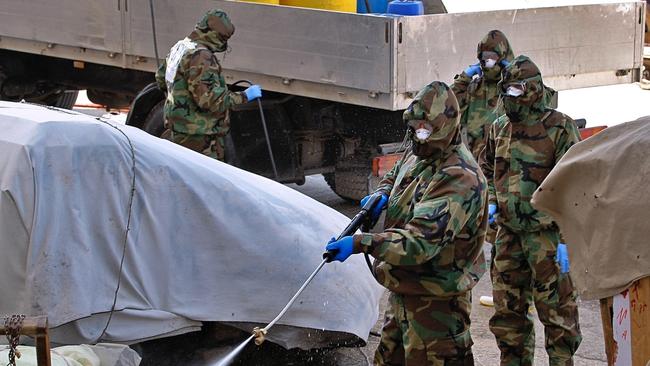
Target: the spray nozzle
pixel 259 334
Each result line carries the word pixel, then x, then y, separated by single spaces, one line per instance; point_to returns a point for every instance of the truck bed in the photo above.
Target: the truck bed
pixel 368 60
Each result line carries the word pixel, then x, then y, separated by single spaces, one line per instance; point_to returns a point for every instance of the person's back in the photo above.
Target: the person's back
pixel 198 101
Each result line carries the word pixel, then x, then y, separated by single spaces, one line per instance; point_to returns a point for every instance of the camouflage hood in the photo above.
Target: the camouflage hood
pixel 213 30
pixel 436 105
pixel 494 41
pixel 522 70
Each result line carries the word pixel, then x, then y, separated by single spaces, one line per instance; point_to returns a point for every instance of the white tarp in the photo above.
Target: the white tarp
pixel 208 241
pixel 103 354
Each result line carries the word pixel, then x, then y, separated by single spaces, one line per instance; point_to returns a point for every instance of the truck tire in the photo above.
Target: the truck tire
pixel 350 178
pixel 154 123
pixel 67 99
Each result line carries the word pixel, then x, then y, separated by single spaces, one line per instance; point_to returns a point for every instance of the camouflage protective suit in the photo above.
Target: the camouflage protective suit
pixel 478 96
pixel 522 148
pixel 434 229
pixel 198 100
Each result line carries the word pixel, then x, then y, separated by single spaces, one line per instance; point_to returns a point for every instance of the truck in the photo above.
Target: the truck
pixel 335 84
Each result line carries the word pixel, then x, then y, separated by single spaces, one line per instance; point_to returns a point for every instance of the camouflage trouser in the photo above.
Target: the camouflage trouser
pixel 421 330
pixel 210 145
pixel 524 270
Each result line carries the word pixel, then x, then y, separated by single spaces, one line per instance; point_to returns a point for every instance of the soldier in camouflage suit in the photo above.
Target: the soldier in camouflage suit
pixel 435 225
pixel 522 147
pixel 476 89
pixel 198 100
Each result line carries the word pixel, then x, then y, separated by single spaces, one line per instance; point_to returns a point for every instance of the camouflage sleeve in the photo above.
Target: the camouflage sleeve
pixel 386 183
pixel 486 161
pixel 160 76
pixel 459 87
pixel 206 86
pixel 437 218
pixel 567 137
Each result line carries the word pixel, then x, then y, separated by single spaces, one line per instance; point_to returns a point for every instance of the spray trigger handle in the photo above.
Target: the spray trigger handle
pixel 358 220
pixel 330 254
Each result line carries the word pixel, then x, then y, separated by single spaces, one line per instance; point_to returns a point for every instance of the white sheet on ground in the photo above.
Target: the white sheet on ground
pixel 208 241
pixel 103 354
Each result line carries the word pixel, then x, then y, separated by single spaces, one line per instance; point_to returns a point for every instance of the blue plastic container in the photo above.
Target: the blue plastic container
pixel 405 7
pixel 376 6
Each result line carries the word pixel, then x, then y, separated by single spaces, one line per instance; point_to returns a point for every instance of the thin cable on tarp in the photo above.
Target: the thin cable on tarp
pixel 128 226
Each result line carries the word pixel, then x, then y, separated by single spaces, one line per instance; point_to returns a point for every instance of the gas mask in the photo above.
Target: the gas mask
pixel 489 59
pixel 419 133
pixel 491 51
pixel 432 120
pixel 489 63
pixel 421 130
pixel 516 99
pixel 513 91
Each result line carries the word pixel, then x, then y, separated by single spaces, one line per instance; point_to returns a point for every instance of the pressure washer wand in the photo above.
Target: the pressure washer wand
pixel 260 333
pixel 359 219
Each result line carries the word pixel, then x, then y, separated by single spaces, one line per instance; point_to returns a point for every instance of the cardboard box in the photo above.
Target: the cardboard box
pixel 626 325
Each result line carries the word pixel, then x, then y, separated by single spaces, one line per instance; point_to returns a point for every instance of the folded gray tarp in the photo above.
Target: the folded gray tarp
pixel 208 241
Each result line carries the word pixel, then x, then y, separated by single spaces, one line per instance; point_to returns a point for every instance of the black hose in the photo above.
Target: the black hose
pixel 266 132
pixel 367 257
pixel 153 28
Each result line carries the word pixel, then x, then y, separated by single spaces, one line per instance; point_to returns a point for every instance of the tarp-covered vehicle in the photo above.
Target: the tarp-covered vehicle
pixel 119 236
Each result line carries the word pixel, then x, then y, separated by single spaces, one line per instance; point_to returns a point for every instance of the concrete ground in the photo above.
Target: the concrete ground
pixel 590 353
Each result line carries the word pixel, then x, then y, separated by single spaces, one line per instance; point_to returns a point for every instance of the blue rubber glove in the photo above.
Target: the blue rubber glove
pixel 344 246
pixel 376 211
pixel 253 92
pixel 492 210
pixel 504 63
pixel 563 258
pixel 473 70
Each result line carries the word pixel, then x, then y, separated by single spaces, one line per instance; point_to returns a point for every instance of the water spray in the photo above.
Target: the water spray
pixel 259 334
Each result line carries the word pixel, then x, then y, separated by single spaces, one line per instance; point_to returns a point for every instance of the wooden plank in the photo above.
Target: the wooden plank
pixel 32 326
pixel 640 321
pixel 43 357
pixel 608 331
pixel 36 326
